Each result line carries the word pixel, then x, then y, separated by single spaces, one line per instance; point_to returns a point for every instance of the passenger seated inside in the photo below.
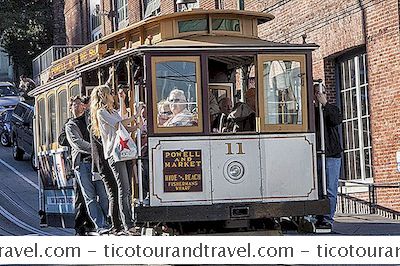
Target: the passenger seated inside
pixel 225 105
pixel 181 116
pixel 243 116
pixel 164 113
pixel 225 108
pixel 250 97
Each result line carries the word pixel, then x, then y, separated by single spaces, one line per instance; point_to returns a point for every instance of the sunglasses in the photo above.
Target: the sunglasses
pixel 166 113
pixel 175 100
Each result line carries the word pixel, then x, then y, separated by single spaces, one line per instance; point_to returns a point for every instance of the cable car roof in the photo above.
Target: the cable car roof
pixel 226 42
pixel 261 18
pixel 162 32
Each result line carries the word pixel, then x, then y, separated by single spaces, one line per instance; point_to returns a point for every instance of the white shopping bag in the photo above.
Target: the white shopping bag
pixel 124 147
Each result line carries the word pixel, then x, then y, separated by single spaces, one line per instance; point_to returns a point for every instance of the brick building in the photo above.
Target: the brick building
pixel 358 59
pixel 58 22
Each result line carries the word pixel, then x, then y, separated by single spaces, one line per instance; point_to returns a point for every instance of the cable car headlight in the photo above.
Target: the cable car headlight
pixel 235 170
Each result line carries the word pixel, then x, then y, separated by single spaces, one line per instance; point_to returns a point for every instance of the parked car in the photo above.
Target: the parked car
pixel 5 127
pixel 9 96
pixel 22 132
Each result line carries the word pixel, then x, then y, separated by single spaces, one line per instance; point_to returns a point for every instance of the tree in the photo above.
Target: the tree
pixel 25 30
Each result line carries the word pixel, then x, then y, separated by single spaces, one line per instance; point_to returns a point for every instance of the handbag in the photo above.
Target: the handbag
pixel 124 147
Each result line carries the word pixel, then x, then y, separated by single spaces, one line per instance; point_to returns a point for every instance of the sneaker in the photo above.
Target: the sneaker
pixel 133 232
pixel 323 227
pixel 122 233
pixel 103 231
pixel 115 230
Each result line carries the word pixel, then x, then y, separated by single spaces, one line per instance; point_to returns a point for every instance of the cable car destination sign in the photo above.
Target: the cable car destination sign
pixel 82 56
pixel 182 171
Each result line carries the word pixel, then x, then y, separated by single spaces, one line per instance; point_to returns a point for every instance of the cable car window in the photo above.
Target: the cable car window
pixel 63 107
pixel 42 122
pixel 224 24
pixel 52 116
pixel 177 102
pixel 193 25
pixel 283 92
pixel 75 90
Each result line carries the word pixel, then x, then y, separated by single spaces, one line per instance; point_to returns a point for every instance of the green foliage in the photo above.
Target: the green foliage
pixel 25 29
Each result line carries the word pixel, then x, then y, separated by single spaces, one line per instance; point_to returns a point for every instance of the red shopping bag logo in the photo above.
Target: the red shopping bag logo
pixel 123 143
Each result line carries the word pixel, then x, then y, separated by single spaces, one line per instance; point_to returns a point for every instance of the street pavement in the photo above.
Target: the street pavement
pixel 19 198
pixel 365 225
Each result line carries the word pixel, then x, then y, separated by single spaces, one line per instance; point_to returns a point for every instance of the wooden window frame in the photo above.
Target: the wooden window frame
pixel 48 95
pixel 225 32
pixel 238 5
pixel 227 86
pixel 70 86
pixel 188 33
pixel 183 129
pixel 69 93
pixel 261 58
pixel 62 88
pixel 41 145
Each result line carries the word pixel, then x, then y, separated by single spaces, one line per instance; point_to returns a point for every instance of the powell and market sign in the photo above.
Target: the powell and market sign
pixel 82 56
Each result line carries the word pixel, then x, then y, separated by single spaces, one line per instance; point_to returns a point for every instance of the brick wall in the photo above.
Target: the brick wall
pixel 207 4
pixel 329 79
pixel 335 25
pixel 58 22
pixel 134 11
pixel 383 46
pixel 106 21
pixel 167 6
pixel 76 21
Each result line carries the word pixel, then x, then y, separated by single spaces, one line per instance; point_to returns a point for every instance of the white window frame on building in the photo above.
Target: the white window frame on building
pixel 219 4
pixel 96 35
pixel 357 145
pixel 95 21
pixel 183 7
pixel 151 8
pixel 240 5
pixel 122 13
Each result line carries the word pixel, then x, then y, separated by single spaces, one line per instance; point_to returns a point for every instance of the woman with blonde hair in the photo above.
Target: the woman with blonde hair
pixel 105 121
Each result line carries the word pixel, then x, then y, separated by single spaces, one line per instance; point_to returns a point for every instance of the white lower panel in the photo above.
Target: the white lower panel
pixel 194 170
pixel 235 169
pixel 288 167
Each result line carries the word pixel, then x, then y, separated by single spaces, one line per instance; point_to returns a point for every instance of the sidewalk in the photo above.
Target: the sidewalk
pixel 365 224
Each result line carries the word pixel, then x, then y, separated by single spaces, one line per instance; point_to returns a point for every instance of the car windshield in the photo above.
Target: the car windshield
pixel 8 91
pixel 6 116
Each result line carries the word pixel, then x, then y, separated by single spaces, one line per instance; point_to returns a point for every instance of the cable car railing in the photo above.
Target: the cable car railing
pixel 364 202
pixel 43 61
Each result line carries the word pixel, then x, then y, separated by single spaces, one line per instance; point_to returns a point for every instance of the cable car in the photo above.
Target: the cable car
pixel 230 135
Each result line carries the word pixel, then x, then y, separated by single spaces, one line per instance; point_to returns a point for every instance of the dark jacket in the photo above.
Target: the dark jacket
pixel 99 164
pixel 80 145
pixel 332 119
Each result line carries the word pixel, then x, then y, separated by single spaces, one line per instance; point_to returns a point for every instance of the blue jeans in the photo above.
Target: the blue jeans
pixel 333 166
pixel 97 209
